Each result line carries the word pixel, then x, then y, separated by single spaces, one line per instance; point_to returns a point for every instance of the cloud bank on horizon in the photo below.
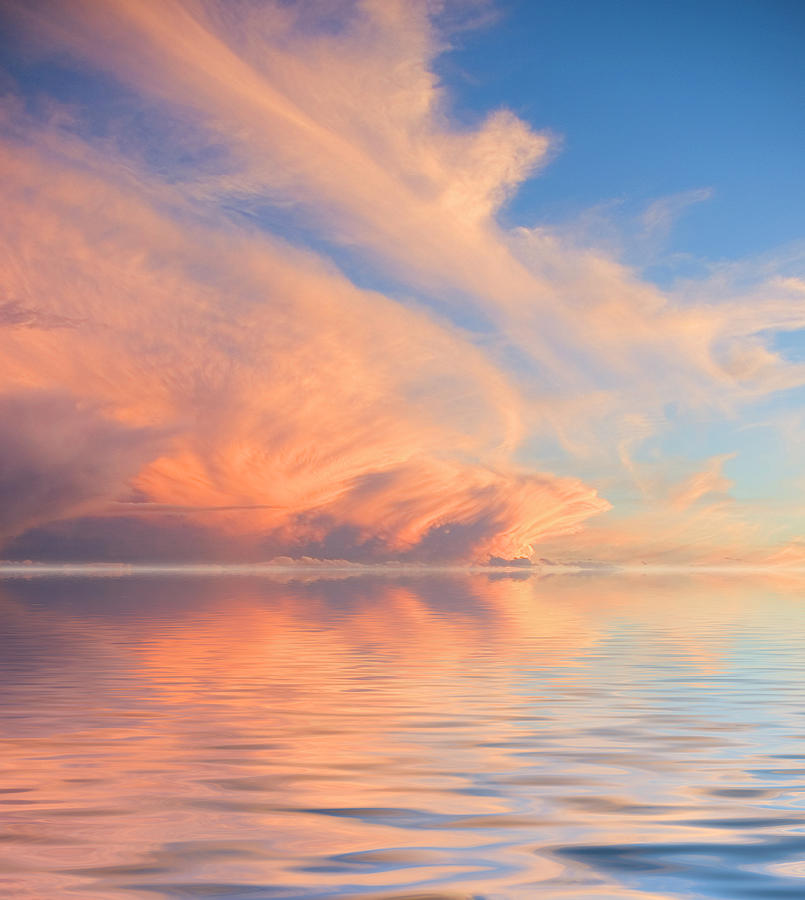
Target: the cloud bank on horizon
pixel 259 299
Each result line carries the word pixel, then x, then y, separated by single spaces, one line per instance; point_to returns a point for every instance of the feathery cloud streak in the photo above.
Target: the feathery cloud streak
pixel 258 392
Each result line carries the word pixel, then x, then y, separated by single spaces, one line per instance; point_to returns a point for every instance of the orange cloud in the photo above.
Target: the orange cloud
pixel 350 126
pixel 297 411
pixel 286 400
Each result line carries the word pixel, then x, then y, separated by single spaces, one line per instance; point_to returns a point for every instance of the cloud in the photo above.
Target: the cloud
pixel 59 458
pixel 660 215
pixel 709 480
pixel 295 404
pixel 348 125
pixel 693 520
pixel 14 315
pixel 306 414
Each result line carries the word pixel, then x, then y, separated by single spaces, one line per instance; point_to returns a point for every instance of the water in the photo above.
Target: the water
pixel 415 737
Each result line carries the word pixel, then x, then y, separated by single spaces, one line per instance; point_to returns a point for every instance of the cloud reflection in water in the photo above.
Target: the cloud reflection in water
pixel 401 737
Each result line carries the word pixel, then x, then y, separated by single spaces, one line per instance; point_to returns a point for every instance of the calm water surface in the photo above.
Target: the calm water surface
pixel 416 738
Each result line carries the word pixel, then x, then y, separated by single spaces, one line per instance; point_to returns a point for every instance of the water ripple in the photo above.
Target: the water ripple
pixel 408 739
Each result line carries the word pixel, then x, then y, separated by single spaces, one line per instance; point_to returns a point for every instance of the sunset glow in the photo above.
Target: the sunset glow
pixel 274 286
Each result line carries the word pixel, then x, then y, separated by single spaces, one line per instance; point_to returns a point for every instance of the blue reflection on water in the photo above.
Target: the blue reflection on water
pixel 401 737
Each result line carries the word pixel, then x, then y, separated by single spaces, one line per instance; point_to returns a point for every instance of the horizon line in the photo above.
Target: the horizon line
pixel 30 568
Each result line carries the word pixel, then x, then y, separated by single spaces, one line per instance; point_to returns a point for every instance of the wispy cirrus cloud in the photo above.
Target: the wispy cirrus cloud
pixel 284 390
pixel 311 414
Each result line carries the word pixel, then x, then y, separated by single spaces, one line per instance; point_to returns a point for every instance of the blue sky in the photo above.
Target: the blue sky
pixel 653 99
pixel 384 280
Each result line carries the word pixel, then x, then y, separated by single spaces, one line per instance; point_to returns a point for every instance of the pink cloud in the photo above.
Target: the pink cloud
pixel 302 410
pixel 293 403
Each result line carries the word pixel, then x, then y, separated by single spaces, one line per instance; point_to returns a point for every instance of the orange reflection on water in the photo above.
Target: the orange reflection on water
pixel 367 737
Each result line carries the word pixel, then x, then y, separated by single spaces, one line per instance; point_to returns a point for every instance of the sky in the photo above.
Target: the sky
pixel 403 281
